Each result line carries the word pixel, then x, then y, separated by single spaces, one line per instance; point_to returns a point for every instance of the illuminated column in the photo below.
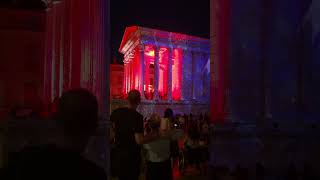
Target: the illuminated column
pixel 54 52
pixel 59 46
pixel 147 75
pixel 194 67
pixel 183 67
pixel 131 75
pixel 169 74
pixel 219 35
pixel 141 86
pixel 127 77
pixel 124 78
pixel 197 58
pixel 156 73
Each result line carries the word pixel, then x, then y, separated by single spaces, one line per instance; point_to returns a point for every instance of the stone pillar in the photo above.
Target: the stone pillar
pixel 130 75
pixel 147 75
pixel 141 55
pixel 201 62
pixel 185 89
pixel 156 73
pixel 132 80
pixel 48 55
pixel 194 74
pixel 124 91
pixel 55 62
pixel 60 48
pixel 219 36
pixel 67 59
pixel 99 149
pixel 169 74
pixel 187 75
pixel 127 78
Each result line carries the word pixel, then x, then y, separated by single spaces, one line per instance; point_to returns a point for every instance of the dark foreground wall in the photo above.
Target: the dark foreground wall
pixel 272 62
pixel 272 84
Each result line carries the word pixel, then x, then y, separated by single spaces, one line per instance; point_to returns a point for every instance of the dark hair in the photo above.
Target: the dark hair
pixel 154 122
pixel 134 97
pixel 193 132
pixel 168 113
pixel 78 112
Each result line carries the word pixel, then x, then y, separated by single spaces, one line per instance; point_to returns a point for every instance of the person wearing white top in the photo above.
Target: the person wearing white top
pixel 158 151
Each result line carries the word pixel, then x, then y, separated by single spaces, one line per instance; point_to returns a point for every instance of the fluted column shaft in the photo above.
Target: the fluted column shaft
pixel 156 73
pixel 141 56
pixel 169 74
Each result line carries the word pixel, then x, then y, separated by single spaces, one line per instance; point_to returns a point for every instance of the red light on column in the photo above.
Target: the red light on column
pixel 176 74
pixel 163 73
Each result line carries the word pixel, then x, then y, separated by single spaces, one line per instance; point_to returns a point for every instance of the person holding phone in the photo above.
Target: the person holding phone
pixel 158 151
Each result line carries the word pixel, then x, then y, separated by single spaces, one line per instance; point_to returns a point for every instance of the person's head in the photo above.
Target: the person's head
pixel 78 116
pixel 134 98
pixel 154 122
pixel 168 113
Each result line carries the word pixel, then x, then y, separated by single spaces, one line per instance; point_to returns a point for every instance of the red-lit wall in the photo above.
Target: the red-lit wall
pixel 21 58
pixel 116 80
pixel 51 50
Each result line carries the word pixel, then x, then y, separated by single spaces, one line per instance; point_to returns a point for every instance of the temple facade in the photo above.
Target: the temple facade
pixel 169 69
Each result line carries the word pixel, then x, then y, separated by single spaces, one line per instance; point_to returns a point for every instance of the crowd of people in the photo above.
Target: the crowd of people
pixel 152 146
pixel 162 139
pixel 155 143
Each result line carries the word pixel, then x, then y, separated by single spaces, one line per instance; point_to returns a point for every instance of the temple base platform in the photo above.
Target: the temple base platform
pixel 146 108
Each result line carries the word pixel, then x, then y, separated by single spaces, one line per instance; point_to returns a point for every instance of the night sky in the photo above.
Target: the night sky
pixel 187 17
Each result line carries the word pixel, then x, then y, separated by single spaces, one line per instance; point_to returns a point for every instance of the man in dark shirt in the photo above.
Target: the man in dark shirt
pixel 77 117
pixel 128 135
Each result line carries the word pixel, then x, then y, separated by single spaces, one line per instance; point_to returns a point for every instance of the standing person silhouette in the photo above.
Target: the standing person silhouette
pixel 127 128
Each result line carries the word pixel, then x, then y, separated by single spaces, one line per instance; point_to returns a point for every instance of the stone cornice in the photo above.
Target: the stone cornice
pixel 166 39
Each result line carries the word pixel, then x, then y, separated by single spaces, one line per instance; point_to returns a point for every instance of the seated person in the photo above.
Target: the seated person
pixel 158 152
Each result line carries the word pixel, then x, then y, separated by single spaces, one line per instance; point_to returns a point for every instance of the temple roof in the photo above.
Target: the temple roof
pixel 140 32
